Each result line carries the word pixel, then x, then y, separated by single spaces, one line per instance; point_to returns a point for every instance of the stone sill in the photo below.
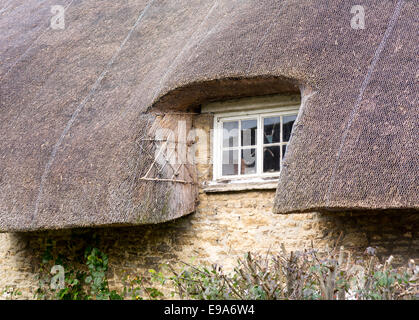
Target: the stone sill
pixel 240 186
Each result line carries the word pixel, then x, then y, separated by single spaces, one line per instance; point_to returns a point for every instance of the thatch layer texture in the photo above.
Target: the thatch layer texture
pixel 77 126
pixel 355 146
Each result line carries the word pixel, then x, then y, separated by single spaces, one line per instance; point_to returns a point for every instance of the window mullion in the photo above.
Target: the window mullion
pixel 220 149
pixel 216 146
pixel 280 140
pixel 239 146
pixel 259 145
pixel 239 117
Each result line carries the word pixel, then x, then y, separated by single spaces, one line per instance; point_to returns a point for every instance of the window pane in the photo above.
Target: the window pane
pixel 271 129
pixel 271 159
pixel 230 134
pixel 249 132
pixel 230 164
pixel 284 149
pixel 248 161
pixel 287 127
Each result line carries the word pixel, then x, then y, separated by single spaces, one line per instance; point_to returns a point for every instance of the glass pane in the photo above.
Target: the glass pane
pixel 284 149
pixel 230 134
pixel 230 163
pixel 287 127
pixel 271 159
pixel 271 129
pixel 248 161
pixel 249 132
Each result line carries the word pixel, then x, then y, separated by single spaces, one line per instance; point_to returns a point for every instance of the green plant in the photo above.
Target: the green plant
pixel 301 275
pixel 138 287
pixel 11 293
pixel 309 274
pixel 87 282
pixel 97 264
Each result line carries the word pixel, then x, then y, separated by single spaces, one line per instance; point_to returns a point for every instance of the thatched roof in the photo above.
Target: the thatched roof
pixel 76 103
pixel 356 144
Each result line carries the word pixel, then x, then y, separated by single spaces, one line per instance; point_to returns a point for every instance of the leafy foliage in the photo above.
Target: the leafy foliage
pixel 305 275
pixel 138 287
pixel 89 283
pixel 11 293
pixel 301 275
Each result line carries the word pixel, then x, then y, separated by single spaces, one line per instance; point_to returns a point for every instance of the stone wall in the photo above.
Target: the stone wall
pixel 224 227
pixel 212 235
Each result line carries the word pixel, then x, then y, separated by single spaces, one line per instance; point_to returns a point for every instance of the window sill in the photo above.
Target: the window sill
pixel 233 186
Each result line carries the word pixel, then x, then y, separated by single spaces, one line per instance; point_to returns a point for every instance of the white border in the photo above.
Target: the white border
pixel 225 115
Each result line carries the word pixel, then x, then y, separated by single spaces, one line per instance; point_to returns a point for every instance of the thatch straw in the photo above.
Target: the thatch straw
pixel 77 104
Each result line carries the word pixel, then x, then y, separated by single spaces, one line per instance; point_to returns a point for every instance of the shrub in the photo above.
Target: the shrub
pixel 302 275
pixel 85 282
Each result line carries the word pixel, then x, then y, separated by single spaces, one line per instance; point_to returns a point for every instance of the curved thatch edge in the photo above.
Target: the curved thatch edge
pixel 186 98
pixel 58 79
pixel 342 209
pixel 189 96
pixel 94 226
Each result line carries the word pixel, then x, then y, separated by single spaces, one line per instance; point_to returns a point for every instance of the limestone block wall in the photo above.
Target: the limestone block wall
pixel 210 235
pixel 225 226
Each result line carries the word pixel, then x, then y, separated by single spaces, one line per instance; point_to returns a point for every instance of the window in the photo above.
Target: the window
pixel 251 145
pixel 250 140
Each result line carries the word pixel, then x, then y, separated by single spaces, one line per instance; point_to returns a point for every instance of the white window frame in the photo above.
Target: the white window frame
pixel 259 109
